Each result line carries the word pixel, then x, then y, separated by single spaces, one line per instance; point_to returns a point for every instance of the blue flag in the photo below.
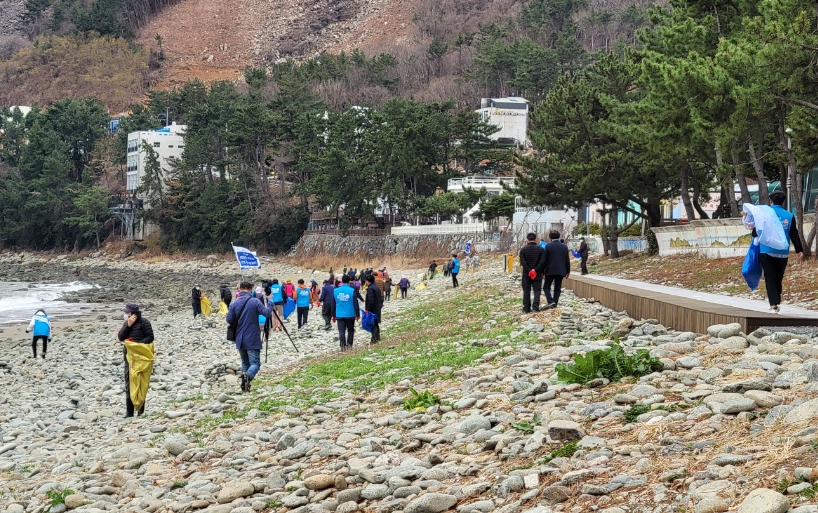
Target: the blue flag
pixel 467 249
pixel 247 259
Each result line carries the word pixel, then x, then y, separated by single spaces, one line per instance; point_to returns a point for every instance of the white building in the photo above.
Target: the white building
pixel 167 142
pixel 510 114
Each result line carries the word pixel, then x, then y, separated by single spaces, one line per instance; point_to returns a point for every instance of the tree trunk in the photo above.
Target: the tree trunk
pixel 613 233
pixel 603 219
pixel 685 175
pixel 728 184
pixel 697 195
pixel 740 177
pixel 795 189
pixel 758 166
pixel 812 232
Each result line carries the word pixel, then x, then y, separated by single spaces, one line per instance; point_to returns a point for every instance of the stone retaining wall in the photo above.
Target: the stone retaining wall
pixel 412 246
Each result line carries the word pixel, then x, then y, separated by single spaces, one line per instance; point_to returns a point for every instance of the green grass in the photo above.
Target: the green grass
pixel 420 400
pixel 566 451
pixel 58 496
pixel 635 411
pixel 423 338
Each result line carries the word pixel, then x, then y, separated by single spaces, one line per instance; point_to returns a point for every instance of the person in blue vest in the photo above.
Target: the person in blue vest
pixel 41 325
pixel 246 310
pixel 455 268
pixel 774 261
pixel 345 312
pixel 277 296
pixel 302 303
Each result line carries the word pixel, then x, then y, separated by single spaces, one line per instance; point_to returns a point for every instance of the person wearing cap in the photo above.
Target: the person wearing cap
pixel 327 301
pixel 196 300
pixel 277 296
pixel 139 330
pixel 245 310
pixel 345 312
pixel 289 289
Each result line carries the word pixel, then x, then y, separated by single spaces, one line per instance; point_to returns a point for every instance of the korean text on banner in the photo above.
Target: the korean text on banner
pixel 247 259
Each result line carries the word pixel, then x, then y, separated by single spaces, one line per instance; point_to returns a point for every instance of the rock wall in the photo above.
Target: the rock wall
pixel 412 246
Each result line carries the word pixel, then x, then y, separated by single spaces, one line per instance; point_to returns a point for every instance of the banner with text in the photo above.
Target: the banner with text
pixel 247 259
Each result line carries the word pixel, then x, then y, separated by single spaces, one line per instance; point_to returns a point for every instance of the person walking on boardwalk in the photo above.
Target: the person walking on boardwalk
pixel 41 326
pixel 302 303
pixel 345 312
pixel 327 301
pixel 583 255
pixel 196 300
pixel 454 270
pixel 137 334
pixel 774 260
pixel 532 260
pixel 245 311
pixel 557 265
pixel 374 303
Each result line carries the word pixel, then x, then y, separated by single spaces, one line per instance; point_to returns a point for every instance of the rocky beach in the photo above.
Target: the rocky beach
pixel 458 409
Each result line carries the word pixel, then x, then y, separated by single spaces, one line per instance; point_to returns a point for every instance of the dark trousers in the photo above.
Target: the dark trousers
pixel 302 312
pixel 197 308
pixel 346 332
pixel 557 282
pixel 528 285
pixel 44 338
pixel 376 331
pixel 454 280
pixel 584 263
pixel 774 269
pixel 326 313
pixel 129 409
pixel 387 293
pixel 403 293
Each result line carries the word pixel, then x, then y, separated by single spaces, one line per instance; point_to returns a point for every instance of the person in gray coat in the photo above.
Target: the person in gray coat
pixel 557 266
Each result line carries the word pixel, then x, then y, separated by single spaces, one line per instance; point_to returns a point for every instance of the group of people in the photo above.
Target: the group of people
pixel 543 269
pixel 453 266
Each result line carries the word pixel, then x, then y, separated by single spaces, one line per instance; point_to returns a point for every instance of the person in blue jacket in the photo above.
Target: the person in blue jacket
pixel 454 270
pixel 248 335
pixel 41 324
pixel 345 312
pixel 277 295
pixel 302 302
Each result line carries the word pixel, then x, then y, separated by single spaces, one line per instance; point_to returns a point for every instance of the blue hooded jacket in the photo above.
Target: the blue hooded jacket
pixel 248 334
pixel 41 324
pixel 455 265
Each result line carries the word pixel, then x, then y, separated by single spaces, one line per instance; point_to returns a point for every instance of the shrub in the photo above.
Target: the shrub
pixel 58 496
pixel 612 363
pixel 423 399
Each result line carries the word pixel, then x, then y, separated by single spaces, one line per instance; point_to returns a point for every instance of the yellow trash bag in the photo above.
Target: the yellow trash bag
pixel 206 308
pixel 222 308
pixel 140 366
pixel 420 287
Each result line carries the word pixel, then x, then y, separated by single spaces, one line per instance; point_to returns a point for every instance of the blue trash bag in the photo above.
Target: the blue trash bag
pixel 575 252
pixel 289 307
pixel 367 320
pixel 751 269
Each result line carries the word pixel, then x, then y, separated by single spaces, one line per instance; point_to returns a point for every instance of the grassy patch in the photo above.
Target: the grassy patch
pixel 58 496
pixel 566 451
pixel 421 340
pixel 635 411
pixel 422 400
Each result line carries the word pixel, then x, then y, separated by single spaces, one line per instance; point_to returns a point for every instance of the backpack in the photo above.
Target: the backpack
pixel 450 266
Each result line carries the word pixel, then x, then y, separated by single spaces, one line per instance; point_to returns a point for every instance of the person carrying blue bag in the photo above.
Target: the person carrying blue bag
pixel 775 229
pixel 373 305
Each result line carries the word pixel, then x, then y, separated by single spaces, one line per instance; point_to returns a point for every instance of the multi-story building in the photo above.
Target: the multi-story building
pixel 167 142
pixel 510 115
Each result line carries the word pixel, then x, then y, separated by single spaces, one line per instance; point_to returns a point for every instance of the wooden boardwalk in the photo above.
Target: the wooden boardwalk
pixel 683 309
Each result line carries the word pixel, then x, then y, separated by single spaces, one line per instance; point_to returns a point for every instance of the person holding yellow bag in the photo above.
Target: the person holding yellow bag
pixel 137 334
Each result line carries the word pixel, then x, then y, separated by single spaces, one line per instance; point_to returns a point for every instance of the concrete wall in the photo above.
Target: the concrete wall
pixel 710 238
pixel 412 246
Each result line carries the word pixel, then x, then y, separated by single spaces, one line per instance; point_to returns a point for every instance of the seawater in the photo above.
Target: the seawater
pixel 20 300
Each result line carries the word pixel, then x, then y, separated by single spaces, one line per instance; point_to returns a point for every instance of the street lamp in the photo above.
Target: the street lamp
pixel 788 131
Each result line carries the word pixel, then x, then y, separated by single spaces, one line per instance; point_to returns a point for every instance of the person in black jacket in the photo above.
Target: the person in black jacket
pixel 557 266
pixel 225 295
pixel 583 255
pixel 137 329
pixel 532 259
pixel 373 303
pixel 196 300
